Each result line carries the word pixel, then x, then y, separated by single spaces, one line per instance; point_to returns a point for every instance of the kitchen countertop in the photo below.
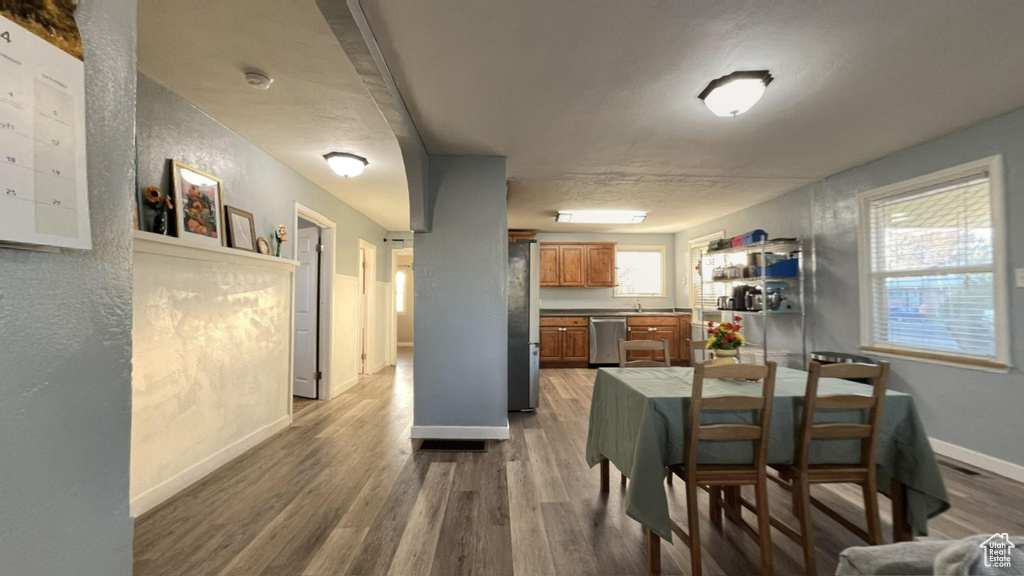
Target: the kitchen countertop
pixel 624 312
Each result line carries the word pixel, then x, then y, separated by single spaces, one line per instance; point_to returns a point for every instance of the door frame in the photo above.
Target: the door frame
pixel 325 320
pixel 393 345
pixel 369 300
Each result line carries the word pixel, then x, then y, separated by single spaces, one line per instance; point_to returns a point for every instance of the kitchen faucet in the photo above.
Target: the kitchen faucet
pixel 639 309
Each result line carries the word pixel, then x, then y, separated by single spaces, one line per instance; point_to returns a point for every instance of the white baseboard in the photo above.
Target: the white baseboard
pixel 461 432
pixel 405 344
pixel 150 498
pixel 983 461
pixel 343 387
pixel 379 367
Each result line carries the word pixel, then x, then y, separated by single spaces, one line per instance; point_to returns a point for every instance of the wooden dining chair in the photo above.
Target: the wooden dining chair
pixel 799 477
pixel 700 347
pixel 713 477
pixel 625 346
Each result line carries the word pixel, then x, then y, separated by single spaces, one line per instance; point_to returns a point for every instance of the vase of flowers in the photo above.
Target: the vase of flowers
pixel 725 341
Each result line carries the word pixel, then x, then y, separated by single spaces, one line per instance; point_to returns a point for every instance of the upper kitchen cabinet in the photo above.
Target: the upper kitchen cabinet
pixel 577 264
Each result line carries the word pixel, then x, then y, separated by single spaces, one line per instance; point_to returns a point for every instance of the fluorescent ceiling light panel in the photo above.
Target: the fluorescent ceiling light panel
pixel 601 217
pixel 736 93
pixel 345 164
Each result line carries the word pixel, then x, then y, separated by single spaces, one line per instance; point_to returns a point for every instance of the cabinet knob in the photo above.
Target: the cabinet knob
pixel 652 329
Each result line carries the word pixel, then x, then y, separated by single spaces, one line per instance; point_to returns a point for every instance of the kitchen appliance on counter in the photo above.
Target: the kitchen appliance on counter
pixel 523 325
pixel 605 333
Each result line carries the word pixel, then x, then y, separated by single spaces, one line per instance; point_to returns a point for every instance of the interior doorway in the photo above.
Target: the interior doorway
pixel 313 297
pixel 367 306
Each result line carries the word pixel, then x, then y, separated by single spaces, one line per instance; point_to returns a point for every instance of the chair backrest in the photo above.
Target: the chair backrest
pixel 758 433
pixel 867 433
pixel 646 345
pixel 699 348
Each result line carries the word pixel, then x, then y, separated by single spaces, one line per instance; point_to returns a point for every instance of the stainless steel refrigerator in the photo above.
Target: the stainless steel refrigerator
pixel 523 325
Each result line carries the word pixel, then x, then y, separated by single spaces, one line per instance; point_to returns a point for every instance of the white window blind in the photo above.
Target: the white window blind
pixel 640 271
pixel 704 294
pixel 932 271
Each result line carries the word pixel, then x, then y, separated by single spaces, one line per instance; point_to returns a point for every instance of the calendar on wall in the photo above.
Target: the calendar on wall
pixel 43 184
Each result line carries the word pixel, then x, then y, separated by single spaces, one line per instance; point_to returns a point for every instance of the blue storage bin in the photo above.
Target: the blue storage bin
pixel 754 236
pixel 784 269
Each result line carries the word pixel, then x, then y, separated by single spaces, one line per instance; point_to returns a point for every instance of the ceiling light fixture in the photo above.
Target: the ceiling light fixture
pixel 601 217
pixel 736 93
pixel 345 164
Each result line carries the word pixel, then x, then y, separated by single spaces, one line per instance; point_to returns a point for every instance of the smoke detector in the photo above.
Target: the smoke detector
pixel 258 79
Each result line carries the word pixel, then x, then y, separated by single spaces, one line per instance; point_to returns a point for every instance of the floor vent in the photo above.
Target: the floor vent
pixel 454 446
pixel 959 469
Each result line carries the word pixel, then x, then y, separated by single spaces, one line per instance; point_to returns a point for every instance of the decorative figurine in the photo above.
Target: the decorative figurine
pixel 161 204
pixel 282 236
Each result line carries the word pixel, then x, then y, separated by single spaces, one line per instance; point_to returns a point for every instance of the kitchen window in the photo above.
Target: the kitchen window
pixel 640 271
pixel 703 292
pixel 933 283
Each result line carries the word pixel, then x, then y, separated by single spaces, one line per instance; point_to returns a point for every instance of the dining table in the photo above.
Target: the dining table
pixel 638 418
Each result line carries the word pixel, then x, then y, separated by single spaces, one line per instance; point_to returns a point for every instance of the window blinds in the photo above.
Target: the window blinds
pixel 639 272
pixel 932 271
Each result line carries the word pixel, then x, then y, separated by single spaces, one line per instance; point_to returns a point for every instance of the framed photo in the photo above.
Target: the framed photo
pixel 241 229
pixel 198 203
pixel 262 246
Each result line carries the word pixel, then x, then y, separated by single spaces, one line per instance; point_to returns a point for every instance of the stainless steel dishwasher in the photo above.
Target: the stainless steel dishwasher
pixel 605 333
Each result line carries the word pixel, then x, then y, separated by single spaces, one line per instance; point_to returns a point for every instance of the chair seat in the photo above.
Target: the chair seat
pixel 825 473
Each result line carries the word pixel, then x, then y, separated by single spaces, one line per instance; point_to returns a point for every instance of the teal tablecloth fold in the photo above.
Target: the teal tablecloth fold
pixel 638 415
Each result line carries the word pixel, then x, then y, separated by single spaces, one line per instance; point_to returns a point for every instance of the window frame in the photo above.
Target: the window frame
pixel 663 252
pixel 690 245
pixel 1002 363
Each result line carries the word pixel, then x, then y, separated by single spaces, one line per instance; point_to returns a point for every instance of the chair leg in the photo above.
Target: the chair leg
pixel 764 526
pixel 604 476
pixel 871 510
pixel 715 496
pixel 668 475
pixel 622 480
pixel 693 517
pixel 802 501
pixel 653 552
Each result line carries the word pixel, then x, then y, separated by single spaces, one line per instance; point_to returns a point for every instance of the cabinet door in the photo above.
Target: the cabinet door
pixel 600 266
pixel 550 344
pixel 685 336
pixel 670 333
pixel 638 333
pixel 576 344
pixel 549 265
pixel 571 264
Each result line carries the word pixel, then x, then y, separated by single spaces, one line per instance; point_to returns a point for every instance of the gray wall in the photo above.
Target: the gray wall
pixel 603 297
pixel 65 348
pixel 461 334
pixel 171 127
pixel 970 408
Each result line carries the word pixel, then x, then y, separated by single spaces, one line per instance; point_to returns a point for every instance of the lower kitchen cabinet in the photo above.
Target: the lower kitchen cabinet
pixel 564 341
pixel 675 329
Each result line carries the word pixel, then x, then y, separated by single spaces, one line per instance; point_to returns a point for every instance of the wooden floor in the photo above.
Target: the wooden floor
pixel 343 492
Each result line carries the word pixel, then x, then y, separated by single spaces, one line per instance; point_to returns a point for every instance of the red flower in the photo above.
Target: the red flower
pixel 730 337
pixel 736 318
pixel 711 324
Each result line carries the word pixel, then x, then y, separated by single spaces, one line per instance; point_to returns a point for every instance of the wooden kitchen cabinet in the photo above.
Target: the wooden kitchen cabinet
pixel 577 264
pixel 675 329
pixel 564 341
pixel 601 265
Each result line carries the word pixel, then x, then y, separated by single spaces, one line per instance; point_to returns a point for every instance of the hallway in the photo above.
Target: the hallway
pixel 341 492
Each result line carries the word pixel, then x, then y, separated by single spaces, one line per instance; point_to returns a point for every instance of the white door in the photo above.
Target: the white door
pixel 306 312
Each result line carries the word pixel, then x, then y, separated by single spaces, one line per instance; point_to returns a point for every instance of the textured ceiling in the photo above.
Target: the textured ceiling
pixel 317 103
pixel 594 103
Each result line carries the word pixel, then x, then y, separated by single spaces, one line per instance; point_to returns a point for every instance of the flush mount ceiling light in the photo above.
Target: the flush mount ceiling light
pixel 736 93
pixel 601 217
pixel 345 164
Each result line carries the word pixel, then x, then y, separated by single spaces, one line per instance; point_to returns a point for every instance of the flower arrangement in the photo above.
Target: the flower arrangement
pixel 725 336
pixel 281 235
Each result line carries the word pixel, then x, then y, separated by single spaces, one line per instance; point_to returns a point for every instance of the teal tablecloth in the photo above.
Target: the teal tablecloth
pixel 638 417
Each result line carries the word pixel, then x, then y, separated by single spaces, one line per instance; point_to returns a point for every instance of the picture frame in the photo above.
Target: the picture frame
pixel 198 202
pixel 262 246
pixel 241 229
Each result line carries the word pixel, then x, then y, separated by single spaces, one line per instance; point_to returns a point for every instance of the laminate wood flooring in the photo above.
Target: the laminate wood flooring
pixel 343 492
